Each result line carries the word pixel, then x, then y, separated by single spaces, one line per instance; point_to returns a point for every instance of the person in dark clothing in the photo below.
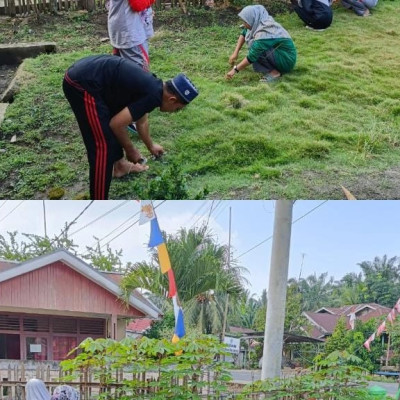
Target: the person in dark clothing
pixel 108 93
pixel 316 14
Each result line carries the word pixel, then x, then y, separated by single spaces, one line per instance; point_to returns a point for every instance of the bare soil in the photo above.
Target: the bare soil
pixel 7 73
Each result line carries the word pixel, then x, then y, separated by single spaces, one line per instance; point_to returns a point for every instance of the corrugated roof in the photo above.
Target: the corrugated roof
pixel 4 264
pixel 137 299
pixel 324 320
pixel 238 329
pixel 139 325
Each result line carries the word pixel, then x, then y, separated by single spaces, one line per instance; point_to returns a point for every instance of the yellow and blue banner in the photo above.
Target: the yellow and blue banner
pixel 147 214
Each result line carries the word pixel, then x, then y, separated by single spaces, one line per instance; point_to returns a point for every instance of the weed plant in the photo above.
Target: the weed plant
pixel 333 121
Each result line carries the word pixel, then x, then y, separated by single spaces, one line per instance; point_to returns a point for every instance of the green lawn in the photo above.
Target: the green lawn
pixel 335 120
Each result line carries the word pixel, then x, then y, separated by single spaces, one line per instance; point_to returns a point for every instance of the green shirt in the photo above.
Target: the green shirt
pixel 284 52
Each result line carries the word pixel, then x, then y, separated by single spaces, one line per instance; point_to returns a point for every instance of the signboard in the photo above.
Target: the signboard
pixel 35 348
pixel 233 345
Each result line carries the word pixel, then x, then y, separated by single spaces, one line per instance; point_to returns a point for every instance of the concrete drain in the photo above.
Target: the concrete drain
pixel 11 66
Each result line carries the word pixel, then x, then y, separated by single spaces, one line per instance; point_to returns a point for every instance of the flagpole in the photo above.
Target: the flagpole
pixel 387 352
pixel 228 266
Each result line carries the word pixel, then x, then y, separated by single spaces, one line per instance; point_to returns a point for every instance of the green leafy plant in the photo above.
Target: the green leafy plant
pixel 177 370
pixel 332 377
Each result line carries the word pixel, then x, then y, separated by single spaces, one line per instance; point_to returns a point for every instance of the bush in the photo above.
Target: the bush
pixel 176 369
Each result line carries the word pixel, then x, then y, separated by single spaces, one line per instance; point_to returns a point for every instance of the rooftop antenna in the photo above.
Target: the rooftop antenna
pixel 301 266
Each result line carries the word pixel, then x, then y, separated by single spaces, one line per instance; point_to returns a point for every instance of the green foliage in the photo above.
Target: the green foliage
pixel 12 248
pixel 394 332
pixel 295 322
pixel 315 291
pixel 171 184
pixel 158 327
pixel 200 273
pixel 356 339
pixel 20 250
pixel 104 260
pixel 171 364
pixel 338 339
pixel 382 280
pixel 333 377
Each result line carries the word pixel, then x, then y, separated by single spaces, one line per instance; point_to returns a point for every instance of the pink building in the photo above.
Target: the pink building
pixel 324 320
pixel 49 304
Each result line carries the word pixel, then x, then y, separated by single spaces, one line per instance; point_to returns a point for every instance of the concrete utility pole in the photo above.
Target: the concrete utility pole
pixel 278 275
pixel 228 266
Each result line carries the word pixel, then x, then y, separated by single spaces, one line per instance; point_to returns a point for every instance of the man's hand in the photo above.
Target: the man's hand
pixel 156 150
pixel 133 155
pixel 230 74
pixel 233 58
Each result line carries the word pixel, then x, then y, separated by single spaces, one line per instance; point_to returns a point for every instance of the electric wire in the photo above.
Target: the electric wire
pixel 198 219
pixel 73 221
pixel 270 237
pixel 130 226
pixel 4 202
pixel 100 217
pixel 225 205
pixel 195 213
pixel 12 210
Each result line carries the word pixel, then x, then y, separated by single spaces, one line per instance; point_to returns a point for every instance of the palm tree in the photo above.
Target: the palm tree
pixel 382 280
pixel 349 290
pixel 244 312
pixel 201 274
pixel 315 291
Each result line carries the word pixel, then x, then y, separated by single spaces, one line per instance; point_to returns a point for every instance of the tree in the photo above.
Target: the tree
pixel 11 249
pixel 382 280
pixel 350 289
pixel 338 340
pixel 294 319
pixel 158 327
pixel 259 320
pixel 315 291
pixel 36 245
pixel 201 274
pixel 356 339
pixel 245 311
pixel 108 260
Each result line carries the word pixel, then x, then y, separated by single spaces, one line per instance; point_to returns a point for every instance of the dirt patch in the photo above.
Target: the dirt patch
pixel 7 73
pixel 377 185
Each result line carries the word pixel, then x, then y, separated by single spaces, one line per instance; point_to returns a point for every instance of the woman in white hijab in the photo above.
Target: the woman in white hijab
pixel 271 49
pixel 65 392
pixel 36 390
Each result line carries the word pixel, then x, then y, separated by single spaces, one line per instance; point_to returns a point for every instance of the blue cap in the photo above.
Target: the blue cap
pixel 185 88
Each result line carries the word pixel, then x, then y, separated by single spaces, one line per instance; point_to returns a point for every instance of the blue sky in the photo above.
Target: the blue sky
pixel 333 238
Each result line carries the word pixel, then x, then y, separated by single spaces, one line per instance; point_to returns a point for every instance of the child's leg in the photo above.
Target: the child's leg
pixel 138 54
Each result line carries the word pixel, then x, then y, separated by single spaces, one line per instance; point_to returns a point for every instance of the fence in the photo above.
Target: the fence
pixel 24 8
pixel 13 380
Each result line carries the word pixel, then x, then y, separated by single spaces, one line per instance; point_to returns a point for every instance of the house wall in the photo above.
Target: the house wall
pixel 121 329
pixel 58 287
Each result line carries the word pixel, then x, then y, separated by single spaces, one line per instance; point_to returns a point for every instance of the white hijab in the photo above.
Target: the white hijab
pixel 263 26
pixel 65 392
pixel 36 390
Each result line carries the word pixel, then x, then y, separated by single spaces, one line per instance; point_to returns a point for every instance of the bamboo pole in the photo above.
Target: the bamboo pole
pixel 387 352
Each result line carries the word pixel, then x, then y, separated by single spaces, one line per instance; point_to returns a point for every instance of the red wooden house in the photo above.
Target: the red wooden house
pixel 49 304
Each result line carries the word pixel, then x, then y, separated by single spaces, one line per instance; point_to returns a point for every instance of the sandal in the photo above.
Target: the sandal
pixel 269 78
pixel 133 168
pixel 315 29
